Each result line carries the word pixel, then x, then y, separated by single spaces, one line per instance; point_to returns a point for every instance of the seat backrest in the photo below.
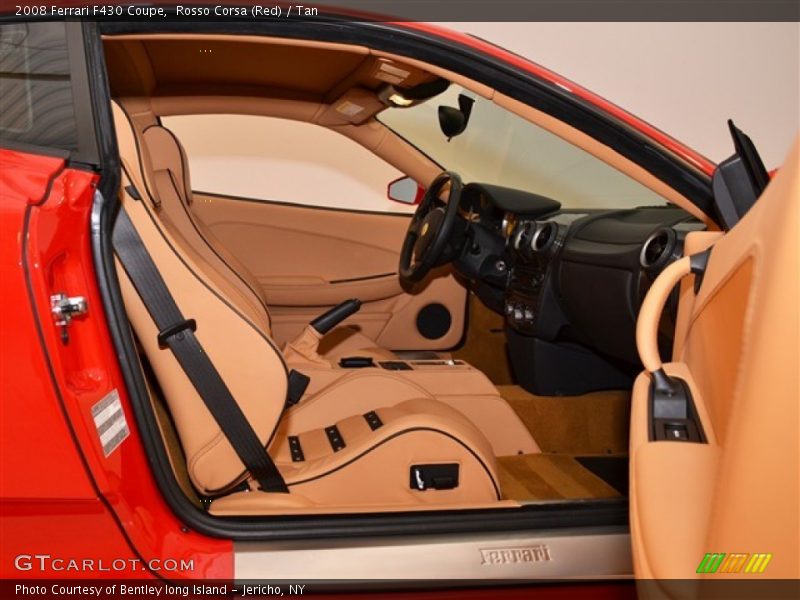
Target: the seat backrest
pixel 232 324
pixel 166 178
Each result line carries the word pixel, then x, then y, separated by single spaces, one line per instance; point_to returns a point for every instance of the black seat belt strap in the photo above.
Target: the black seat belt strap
pixel 177 333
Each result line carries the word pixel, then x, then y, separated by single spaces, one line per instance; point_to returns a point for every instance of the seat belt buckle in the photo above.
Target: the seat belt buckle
pixel 296 387
pixel 175 329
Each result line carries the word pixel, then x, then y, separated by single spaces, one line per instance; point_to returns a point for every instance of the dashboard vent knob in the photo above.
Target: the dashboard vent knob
pixel 657 249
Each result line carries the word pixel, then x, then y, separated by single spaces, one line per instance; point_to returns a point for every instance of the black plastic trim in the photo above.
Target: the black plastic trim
pixel 174 329
pixel 364 278
pixel 295 449
pixel 336 441
pixel 34 149
pixel 698 264
pixel 83 97
pixel 679 411
pixel 373 420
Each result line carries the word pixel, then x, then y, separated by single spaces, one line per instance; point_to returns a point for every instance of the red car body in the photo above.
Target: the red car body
pixel 59 496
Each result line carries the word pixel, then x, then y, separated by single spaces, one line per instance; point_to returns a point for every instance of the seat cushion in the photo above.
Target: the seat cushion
pixel 370 459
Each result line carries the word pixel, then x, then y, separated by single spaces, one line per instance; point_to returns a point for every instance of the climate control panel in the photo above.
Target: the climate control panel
pixel 522 297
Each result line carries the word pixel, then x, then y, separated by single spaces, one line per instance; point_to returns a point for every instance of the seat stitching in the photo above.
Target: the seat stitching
pixel 395 435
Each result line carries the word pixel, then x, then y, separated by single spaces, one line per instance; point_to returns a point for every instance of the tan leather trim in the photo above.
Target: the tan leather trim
pixel 350 391
pixel 286 248
pixel 740 492
pixel 213 264
pixel 258 504
pixel 651 309
pixel 253 39
pixel 257 378
pixel 414 432
pixel 658 502
pixel 372 134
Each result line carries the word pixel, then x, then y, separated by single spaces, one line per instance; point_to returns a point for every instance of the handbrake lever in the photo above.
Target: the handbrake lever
pixel 328 320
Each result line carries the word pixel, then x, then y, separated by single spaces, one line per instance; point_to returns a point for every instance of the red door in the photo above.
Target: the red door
pixel 77 498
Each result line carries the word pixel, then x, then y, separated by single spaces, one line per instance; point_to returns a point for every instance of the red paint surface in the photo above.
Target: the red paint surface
pixel 50 499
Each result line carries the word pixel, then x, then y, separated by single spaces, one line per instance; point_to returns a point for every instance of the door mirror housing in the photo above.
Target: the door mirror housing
pixel 405 190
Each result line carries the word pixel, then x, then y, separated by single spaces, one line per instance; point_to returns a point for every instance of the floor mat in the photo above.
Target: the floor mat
pixel 596 423
pixel 527 477
pixel 611 469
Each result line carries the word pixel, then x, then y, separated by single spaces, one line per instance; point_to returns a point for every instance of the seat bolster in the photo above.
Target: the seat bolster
pixel 358 391
pixel 373 464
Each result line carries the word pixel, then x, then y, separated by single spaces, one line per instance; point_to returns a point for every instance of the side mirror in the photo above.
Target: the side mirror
pixel 405 190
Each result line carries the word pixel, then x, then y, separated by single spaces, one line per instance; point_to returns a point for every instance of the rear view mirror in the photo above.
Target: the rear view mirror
pixel 406 191
pixel 453 121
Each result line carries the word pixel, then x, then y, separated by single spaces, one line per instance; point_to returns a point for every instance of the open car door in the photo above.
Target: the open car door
pixel 714 433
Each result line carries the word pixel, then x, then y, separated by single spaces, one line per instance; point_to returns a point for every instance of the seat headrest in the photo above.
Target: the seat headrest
pixel 165 154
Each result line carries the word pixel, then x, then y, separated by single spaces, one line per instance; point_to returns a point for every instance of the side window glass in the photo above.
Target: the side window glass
pixel 279 160
pixel 36 100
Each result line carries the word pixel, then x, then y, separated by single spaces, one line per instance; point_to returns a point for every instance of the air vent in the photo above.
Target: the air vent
pixel 657 249
pixel 544 237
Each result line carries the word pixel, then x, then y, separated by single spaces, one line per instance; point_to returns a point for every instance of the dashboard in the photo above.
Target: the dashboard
pixel 569 283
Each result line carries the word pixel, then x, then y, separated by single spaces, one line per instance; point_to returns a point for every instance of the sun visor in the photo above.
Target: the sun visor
pixel 355 106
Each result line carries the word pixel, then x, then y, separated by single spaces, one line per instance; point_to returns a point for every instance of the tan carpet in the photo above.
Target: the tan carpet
pixel 549 477
pixel 595 423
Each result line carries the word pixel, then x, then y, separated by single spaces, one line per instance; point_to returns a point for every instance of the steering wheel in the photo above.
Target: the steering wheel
pixel 430 228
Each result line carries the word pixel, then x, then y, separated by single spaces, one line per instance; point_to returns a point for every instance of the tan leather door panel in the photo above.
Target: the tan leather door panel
pixel 737 348
pixel 307 259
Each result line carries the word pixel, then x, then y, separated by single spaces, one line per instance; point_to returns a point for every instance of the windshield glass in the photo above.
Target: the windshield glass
pixel 501 148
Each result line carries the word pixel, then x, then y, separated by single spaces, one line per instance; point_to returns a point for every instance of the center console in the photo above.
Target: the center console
pixel 522 297
pixel 534 244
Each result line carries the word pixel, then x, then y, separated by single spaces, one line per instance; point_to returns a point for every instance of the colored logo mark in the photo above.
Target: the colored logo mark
pixel 720 562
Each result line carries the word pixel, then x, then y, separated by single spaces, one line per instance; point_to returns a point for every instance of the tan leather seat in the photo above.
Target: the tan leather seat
pixel 369 458
pixel 157 175
pixel 167 185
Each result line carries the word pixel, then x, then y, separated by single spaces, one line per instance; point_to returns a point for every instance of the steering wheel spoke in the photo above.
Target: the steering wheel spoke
pixel 430 229
pixel 414 226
